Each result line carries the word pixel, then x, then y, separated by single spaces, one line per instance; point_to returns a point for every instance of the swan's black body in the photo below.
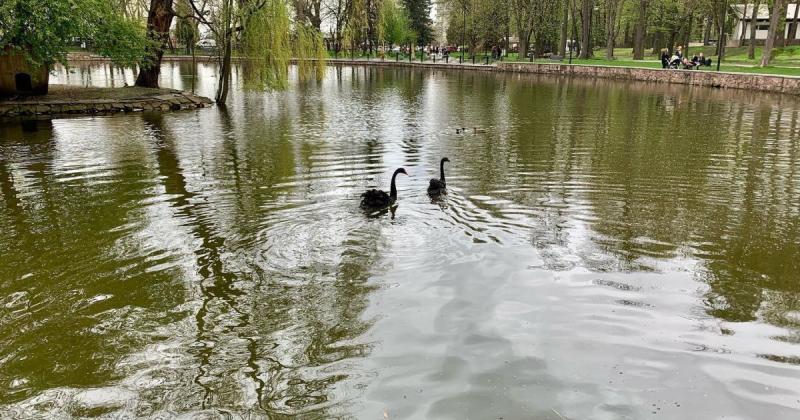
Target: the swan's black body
pixel 377 199
pixel 439 186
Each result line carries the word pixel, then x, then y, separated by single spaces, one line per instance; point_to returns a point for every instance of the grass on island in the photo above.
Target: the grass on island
pixel 71 93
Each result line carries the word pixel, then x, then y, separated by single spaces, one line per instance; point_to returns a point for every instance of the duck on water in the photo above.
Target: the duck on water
pixel 439 186
pixel 378 199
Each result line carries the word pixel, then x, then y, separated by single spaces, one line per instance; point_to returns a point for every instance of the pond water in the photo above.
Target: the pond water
pixel 605 250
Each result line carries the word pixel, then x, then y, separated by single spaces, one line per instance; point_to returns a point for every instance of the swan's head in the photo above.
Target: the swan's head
pixel 445 160
pixel 402 171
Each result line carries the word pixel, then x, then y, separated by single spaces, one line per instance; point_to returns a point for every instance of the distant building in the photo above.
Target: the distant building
pixel 744 19
pixel 18 77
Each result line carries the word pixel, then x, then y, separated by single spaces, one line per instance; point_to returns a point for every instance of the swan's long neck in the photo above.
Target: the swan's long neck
pixel 441 170
pixel 393 190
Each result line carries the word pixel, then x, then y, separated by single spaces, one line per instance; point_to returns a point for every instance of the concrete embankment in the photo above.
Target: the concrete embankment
pixel 747 81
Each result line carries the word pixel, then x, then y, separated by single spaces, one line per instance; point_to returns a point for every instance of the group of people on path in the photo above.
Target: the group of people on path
pixel 677 60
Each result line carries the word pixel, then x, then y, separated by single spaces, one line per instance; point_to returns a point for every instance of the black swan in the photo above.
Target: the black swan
pixel 376 199
pixel 438 186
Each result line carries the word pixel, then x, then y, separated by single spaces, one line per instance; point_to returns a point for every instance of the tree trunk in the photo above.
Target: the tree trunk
pixel 159 19
pixel 626 36
pixel 751 48
pixel 686 33
pixel 225 65
pixel 562 41
pixel 744 24
pixel 524 36
pixel 722 36
pixel 639 31
pixel 780 31
pixel 778 12
pixel 225 75
pixel 508 37
pixel 657 42
pixel 315 17
pixel 611 34
pixel 706 31
pixel 587 6
pixel 575 45
pixel 609 47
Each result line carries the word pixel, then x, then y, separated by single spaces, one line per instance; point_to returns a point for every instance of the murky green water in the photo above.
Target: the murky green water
pixel 607 250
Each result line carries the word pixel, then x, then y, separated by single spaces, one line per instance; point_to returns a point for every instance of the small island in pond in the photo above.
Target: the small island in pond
pixel 67 99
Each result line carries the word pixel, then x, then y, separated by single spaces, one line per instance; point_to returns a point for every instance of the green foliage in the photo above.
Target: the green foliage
pixel 43 30
pixel 310 52
pixel 266 42
pixel 486 22
pixel 419 13
pixel 262 32
pixel 395 24
pixel 186 30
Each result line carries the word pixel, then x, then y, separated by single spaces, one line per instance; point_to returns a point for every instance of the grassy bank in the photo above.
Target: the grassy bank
pixel 786 61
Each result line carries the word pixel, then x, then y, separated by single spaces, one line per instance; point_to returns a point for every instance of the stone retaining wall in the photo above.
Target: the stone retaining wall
pixel 758 82
pixel 174 100
pixel 453 65
pixel 708 78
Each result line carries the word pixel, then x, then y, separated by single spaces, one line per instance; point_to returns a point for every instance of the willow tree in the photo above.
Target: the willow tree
pixel 357 23
pixel 309 50
pixel 262 32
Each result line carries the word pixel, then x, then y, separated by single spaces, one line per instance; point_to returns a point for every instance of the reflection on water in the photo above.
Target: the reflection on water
pixel 604 250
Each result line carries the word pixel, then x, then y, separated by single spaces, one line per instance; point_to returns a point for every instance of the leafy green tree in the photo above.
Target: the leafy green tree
pixel 419 11
pixel 42 30
pixel 395 24
pixel 486 22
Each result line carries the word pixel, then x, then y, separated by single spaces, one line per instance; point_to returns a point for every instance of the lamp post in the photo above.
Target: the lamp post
pixel 464 33
pixel 721 40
